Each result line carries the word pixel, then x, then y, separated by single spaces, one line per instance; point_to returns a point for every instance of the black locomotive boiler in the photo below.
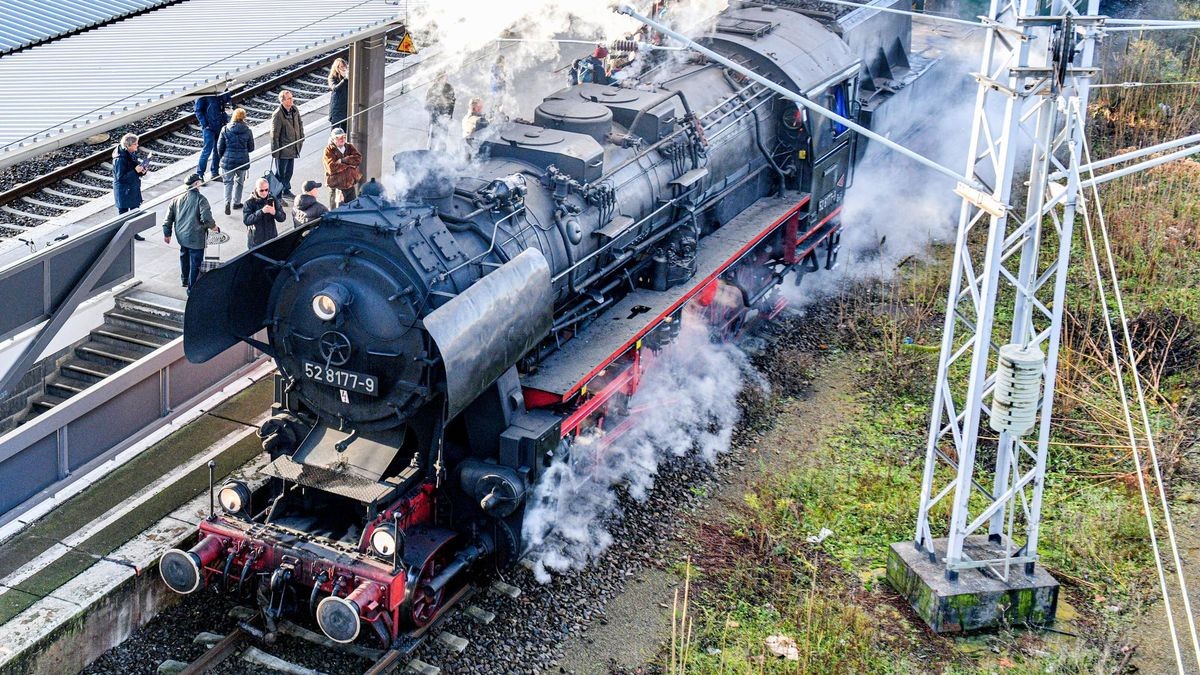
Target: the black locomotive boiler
pixel 435 349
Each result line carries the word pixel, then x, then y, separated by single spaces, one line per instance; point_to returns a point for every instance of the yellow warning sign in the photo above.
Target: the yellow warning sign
pixel 406 45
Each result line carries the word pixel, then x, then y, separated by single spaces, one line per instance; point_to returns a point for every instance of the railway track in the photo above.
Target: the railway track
pixel 74 183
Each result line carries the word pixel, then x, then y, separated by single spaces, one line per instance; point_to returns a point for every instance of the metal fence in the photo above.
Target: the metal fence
pixel 44 455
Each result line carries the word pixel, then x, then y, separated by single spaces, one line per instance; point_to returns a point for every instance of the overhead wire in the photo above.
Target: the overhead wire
pixel 1145 416
pixel 1133 85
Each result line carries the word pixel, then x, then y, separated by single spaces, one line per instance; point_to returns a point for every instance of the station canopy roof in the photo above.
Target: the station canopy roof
pixel 28 22
pixel 60 92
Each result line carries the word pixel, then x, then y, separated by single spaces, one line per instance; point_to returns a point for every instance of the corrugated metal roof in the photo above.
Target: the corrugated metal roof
pixel 28 22
pixel 57 93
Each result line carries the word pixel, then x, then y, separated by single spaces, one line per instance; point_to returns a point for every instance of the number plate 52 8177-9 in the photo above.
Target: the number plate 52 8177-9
pixel 342 379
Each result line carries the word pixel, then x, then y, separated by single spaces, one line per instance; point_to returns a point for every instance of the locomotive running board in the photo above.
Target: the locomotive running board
pixel 620 327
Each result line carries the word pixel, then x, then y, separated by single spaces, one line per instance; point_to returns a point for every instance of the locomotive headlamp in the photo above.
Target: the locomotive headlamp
pixel 329 301
pixel 234 496
pixel 383 540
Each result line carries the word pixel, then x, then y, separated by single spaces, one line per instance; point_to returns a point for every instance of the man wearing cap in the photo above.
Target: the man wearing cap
pixel 308 208
pixel 342 160
pixel 191 218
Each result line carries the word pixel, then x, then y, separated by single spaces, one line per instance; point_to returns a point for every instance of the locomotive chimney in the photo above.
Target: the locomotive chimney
pixel 425 176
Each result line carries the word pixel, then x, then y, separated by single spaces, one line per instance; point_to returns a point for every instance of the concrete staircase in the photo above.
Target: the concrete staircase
pixel 141 322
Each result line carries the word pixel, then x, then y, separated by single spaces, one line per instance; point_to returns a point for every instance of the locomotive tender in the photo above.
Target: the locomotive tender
pixel 434 350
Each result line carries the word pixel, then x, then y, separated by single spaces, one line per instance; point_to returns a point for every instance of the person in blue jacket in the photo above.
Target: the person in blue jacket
pixel 234 147
pixel 210 113
pixel 127 176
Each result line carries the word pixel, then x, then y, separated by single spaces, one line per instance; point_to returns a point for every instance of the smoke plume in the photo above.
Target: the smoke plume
pixel 897 208
pixel 686 404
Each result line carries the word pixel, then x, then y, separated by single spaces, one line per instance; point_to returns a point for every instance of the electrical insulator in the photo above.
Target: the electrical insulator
pixel 1018 387
pixel 623 46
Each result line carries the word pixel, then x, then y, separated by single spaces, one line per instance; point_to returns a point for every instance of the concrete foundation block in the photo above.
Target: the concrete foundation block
pixel 978 599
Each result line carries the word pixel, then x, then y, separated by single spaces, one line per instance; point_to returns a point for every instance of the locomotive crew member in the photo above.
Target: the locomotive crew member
pixel 342 174
pixel 262 211
pixel 287 137
pixel 439 104
pixel 190 216
pixel 592 69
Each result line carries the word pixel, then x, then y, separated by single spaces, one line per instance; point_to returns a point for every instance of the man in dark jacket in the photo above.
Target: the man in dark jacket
pixel 191 218
pixel 127 176
pixel 439 104
pixel 287 136
pixel 261 213
pixel 234 147
pixel 308 208
pixel 210 113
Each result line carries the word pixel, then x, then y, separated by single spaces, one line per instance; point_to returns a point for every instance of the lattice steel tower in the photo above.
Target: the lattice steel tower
pixel 1033 94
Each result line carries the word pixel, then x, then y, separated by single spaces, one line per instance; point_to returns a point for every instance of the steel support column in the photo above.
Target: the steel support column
pixel 365 107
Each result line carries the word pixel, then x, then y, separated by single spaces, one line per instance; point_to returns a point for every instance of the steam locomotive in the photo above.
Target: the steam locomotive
pixel 436 348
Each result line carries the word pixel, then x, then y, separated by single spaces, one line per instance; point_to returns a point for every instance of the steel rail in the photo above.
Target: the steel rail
pixel 217 653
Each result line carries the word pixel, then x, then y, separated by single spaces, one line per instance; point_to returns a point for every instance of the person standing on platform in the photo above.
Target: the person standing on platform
pixel 127 176
pixel 439 103
pixel 210 113
pixel 234 147
pixel 191 218
pixel 287 137
pixel 308 208
pixel 261 213
pixel 342 174
pixel 475 121
pixel 339 93
pixel 499 84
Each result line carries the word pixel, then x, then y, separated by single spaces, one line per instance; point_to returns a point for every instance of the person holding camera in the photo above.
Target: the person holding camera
pixel 261 213
pixel 128 170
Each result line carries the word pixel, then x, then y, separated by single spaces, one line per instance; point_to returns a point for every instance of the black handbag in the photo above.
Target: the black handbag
pixel 274 185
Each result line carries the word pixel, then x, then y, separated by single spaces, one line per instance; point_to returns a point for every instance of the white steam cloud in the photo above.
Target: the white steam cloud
pixel 896 208
pixel 471 37
pixel 686 403
pixel 465 30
